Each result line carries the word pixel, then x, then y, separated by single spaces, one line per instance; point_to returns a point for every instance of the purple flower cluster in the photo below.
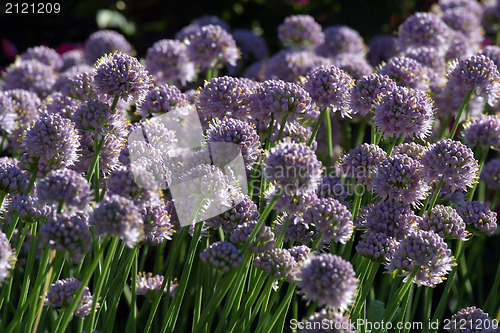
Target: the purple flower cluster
pixel 224 256
pixel 167 60
pixel 69 234
pixel 426 251
pixel 278 263
pixel 331 218
pixel 444 221
pixel 478 217
pixel 330 87
pixel 327 279
pixel 211 45
pixel 293 166
pixel 300 30
pixel 7 257
pixel 368 90
pixel 400 178
pixel 62 292
pixel 404 112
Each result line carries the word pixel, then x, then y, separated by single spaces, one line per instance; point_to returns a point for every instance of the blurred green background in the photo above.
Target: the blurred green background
pixel 145 21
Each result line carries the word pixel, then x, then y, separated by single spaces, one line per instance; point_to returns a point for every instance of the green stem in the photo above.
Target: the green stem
pixel 484 154
pixel 491 300
pixel 433 200
pixel 361 133
pixel 367 284
pixel 132 318
pixel 167 277
pixel 66 316
pixel 438 315
pixel 459 115
pixel 261 221
pixel 110 256
pixel 316 127
pixel 284 305
pixel 395 301
pixel 173 311
pixel 263 182
pixel 282 126
pixel 329 138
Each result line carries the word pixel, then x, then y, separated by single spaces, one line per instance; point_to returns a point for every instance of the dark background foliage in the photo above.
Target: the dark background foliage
pixel 158 19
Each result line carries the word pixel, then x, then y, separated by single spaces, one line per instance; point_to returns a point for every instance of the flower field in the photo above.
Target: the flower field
pixel 212 185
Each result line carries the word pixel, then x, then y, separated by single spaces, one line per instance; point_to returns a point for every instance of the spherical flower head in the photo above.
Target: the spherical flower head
pixel 368 90
pixel 427 250
pixel 391 218
pixel 381 48
pixel 478 217
pixel 237 132
pixel 483 130
pixel 278 263
pixel 225 96
pixel 64 186
pixel 158 226
pixel 45 55
pixel 300 30
pixel 451 162
pixel 332 220
pixel 291 202
pixel 293 166
pixel 423 29
pixel 149 285
pixel 252 47
pixel 7 257
pixel 51 142
pixel 330 87
pixel 341 39
pixel 461 19
pixel 103 42
pixel 328 279
pixel 245 210
pixel 445 221
pixel 26 104
pixel 79 86
pixel 12 179
pixel 199 22
pixel 460 47
pixel 162 99
pixel 95 116
pixel 68 234
pixel 335 319
pixel 411 149
pixel 492 52
pixel 377 246
pixel 59 103
pixel 297 231
pixel 400 178
pixel 290 65
pixel 108 158
pixel 211 45
pixel 478 74
pixel 277 97
pixel 72 58
pixel 300 253
pixel 433 61
pixel 406 72
pixel 222 255
pixel 118 74
pixel 120 217
pixel 122 181
pixel 490 174
pixel 362 162
pixel 472 319
pixel 332 187
pixel 29 209
pixel 62 292
pixel 30 75
pixel 168 61
pixel 264 241
pixel 471 5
